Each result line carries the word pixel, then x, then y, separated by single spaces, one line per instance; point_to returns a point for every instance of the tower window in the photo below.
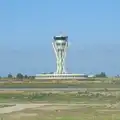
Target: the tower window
pixel 58 44
pixel 63 44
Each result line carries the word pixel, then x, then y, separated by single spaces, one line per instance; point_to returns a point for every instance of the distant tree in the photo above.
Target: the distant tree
pixel 19 76
pixel 10 75
pixel 31 77
pixel 25 76
pixel 102 74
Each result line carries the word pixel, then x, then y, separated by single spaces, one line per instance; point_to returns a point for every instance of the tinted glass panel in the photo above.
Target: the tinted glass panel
pixel 60 38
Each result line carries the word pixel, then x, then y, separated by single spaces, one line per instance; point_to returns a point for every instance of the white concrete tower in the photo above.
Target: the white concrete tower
pixel 60 45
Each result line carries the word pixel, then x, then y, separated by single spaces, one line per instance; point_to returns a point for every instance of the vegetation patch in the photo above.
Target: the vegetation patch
pixel 58 85
pixel 62 97
pixel 2 106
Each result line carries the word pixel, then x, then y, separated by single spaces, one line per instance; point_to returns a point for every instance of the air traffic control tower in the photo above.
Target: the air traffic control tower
pixel 60 45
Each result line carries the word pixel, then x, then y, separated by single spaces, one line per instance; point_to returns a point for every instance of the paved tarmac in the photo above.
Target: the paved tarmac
pixel 56 89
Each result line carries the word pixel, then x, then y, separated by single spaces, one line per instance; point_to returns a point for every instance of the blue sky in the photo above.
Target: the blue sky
pixel 27 28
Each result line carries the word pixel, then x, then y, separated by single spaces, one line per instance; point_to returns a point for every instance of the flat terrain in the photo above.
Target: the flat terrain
pixel 61 84
pixel 61 112
pixel 60 105
pixel 76 100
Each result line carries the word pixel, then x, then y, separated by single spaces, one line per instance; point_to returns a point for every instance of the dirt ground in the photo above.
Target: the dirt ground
pixel 44 106
pixel 54 111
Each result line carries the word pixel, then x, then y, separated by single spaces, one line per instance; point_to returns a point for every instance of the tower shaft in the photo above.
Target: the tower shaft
pixel 60 56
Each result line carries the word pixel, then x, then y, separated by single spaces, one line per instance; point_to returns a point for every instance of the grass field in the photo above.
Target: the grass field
pixel 37 105
pixel 90 83
pixel 65 112
pixel 100 100
pixel 59 85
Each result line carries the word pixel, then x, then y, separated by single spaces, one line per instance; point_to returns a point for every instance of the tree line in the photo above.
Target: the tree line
pixel 101 75
pixel 20 76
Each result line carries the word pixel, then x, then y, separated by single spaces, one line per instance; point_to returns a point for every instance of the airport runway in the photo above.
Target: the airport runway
pixel 44 89
pixel 56 89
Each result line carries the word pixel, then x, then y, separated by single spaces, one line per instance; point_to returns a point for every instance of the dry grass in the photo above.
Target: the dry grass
pixel 92 110
pixel 89 105
pixel 11 92
pixel 65 112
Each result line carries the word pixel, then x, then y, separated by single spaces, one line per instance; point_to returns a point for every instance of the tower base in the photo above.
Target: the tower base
pixel 61 76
